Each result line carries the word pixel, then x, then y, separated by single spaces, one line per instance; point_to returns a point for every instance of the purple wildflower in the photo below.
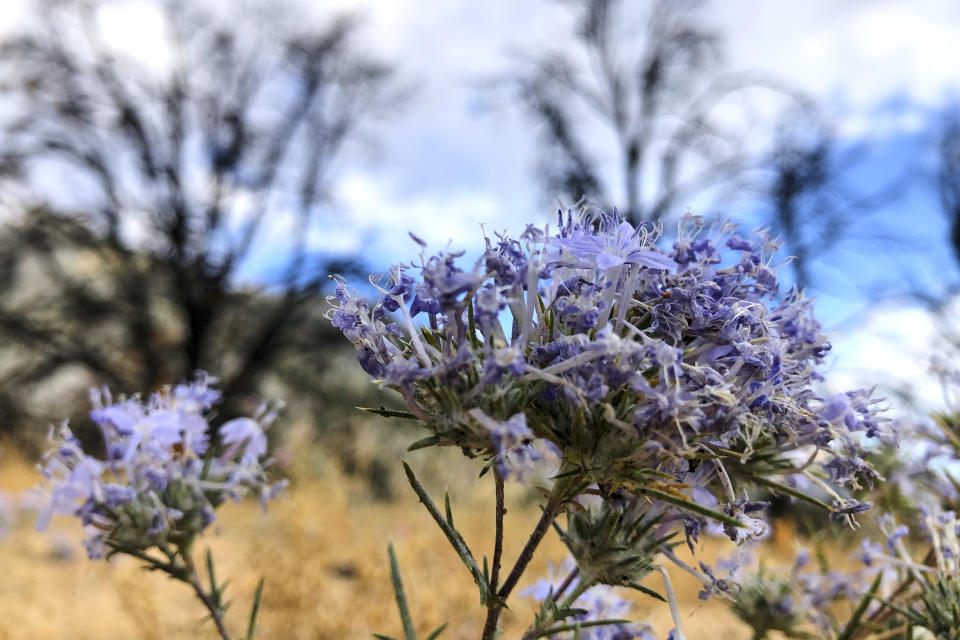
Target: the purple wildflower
pixel 247 433
pixel 869 551
pixel 154 483
pixel 519 454
pixel 599 602
pixel 898 533
pixel 618 243
pixel 630 364
pixel 843 509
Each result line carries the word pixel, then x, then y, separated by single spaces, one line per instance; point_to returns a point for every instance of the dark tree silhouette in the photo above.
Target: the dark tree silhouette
pixel 948 179
pixel 945 304
pixel 809 199
pixel 658 95
pixel 684 130
pixel 169 176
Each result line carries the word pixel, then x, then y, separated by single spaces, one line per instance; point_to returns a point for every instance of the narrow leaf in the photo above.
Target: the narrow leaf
pixel 408 631
pixel 472 325
pixel 447 509
pixel 215 591
pixel 573 472
pixel 790 491
pixel 578 626
pixel 854 622
pixel 910 615
pixel 690 506
pixel 647 590
pixel 255 610
pixel 423 443
pixel 390 413
pixel 436 632
pixel 453 536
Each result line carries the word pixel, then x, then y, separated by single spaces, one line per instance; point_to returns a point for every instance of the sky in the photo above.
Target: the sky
pixel 880 70
pixel 448 147
pixel 453 157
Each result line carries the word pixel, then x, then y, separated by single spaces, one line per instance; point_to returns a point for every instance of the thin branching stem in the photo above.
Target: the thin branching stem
pixel 699 575
pixel 498 536
pixel 550 511
pixel 565 584
pixel 884 612
pixel 725 481
pixel 537 631
pixel 216 613
pixel 672 600
pixel 493 607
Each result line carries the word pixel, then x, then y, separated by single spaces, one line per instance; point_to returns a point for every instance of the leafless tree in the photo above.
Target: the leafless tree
pixel 660 93
pixel 948 179
pixel 170 171
pixel 944 303
pixel 809 198
pixel 684 131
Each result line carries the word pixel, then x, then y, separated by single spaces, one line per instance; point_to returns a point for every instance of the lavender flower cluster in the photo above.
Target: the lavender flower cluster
pixel 779 601
pixel 587 350
pixel 161 480
pixel 914 567
pixel 599 602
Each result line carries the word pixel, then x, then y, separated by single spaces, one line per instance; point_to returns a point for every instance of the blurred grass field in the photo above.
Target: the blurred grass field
pixel 322 549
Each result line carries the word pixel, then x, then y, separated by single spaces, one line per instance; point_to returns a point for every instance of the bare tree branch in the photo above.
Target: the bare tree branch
pixel 179 170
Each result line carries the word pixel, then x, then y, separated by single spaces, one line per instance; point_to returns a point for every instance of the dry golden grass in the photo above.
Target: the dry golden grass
pixel 322 549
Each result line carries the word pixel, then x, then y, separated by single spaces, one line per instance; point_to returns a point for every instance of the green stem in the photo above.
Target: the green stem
pixel 216 613
pixel 578 591
pixel 542 628
pixel 566 584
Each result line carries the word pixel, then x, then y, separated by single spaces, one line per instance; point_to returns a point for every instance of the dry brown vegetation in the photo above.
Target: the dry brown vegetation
pixel 322 549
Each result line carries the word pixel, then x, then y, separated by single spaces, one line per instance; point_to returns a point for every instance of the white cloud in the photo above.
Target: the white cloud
pixel 443 168
pixel 891 347
pixel 137 29
pixel 375 223
pixel 853 54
